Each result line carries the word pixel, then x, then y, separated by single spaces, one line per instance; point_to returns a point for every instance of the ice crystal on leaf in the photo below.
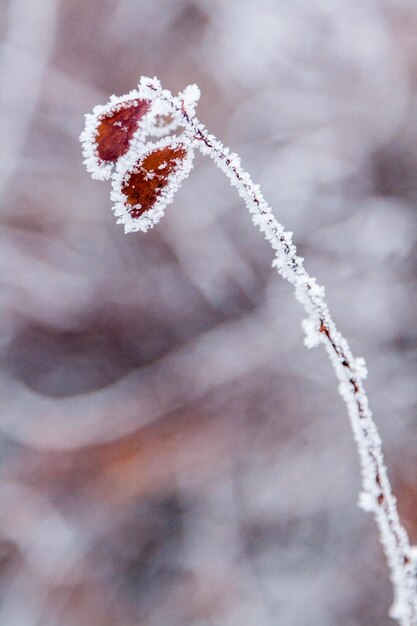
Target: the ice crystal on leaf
pixel 145 175
pixel 142 190
pixel 109 130
pixel 146 182
pixel 116 130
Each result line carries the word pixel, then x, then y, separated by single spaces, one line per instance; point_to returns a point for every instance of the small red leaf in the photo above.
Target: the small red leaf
pixel 144 185
pixel 117 129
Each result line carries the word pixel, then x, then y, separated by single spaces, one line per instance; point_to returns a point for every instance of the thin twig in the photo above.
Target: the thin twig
pixel 376 493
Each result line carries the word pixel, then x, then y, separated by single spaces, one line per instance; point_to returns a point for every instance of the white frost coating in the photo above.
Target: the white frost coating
pixel 130 163
pixel 190 97
pixel 376 494
pixel 312 333
pixel 376 489
pixel 99 169
pixel 361 369
pixel 153 122
pixel 366 502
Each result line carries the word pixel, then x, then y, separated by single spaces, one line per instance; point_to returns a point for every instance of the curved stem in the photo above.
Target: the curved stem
pixel 377 494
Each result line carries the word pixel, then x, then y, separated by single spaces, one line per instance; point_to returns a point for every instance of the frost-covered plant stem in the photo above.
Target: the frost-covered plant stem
pixel 376 495
pixel 145 178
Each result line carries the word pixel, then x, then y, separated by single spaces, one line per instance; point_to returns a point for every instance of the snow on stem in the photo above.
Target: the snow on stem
pixel 145 178
pixel 376 496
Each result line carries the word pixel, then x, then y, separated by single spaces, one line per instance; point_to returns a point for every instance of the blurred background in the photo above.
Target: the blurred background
pixel 170 453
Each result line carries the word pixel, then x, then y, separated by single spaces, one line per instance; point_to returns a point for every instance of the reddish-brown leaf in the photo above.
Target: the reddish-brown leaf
pixel 143 187
pixel 117 129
